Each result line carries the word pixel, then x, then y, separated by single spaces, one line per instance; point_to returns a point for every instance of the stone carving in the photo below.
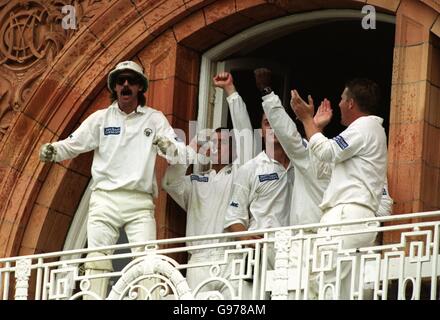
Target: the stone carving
pixel 22 273
pixel 31 35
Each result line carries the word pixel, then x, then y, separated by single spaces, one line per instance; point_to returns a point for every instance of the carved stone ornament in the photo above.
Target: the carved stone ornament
pixel 31 36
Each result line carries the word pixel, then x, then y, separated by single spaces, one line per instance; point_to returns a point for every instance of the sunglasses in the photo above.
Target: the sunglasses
pixel 132 80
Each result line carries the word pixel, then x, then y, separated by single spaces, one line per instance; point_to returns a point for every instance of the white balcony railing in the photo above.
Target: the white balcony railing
pixel 286 263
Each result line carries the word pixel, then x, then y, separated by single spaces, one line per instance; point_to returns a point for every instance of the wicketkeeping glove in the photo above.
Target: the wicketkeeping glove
pixel 47 152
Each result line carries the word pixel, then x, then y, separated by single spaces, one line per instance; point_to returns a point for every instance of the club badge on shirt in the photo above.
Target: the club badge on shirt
pixel 341 142
pixel 148 132
pixel 268 177
pixel 195 177
pixel 112 131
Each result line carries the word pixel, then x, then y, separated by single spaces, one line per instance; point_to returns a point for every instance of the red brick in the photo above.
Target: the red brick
pixel 431 152
pixel 204 39
pixel 260 12
pixel 408 102
pixel 430 186
pixel 38 218
pixel 406 140
pixel 405 181
pixel 189 25
pixel 160 95
pixel 22 136
pixel 389 5
pixel 62 190
pixel 233 24
pixel 187 68
pixel 57 233
pixel 219 10
pixel 159 57
pixel 413 22
pixel 185 98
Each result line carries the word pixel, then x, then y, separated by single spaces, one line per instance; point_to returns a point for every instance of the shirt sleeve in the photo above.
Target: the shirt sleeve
pixel 342 147
pixel 85 138
pixel 294 145
pixel 321 170
pixel 164 129
pixel 284 127
pixel 386 203
pixel 241 122
pixel 238 208
pixel 178 185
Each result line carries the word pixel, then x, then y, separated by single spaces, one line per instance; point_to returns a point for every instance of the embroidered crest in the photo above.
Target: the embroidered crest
pixel 148 132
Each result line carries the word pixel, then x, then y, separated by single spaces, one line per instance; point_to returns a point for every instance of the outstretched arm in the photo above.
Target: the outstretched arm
pixel 175 181
pixel 85 138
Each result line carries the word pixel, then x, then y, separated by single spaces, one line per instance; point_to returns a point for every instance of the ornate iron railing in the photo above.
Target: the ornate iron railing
pixel 286 263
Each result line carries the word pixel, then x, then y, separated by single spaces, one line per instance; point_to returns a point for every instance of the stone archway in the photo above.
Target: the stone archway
pixel 166 36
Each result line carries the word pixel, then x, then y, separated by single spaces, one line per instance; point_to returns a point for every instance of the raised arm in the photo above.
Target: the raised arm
pixel 284 127
pixel 239 115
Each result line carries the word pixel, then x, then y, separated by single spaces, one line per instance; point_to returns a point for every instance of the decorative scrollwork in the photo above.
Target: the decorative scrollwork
pixel 151 267
pixel 31 36
pixel 30 30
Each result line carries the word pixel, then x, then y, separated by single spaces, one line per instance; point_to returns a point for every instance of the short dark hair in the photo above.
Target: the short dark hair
pixel 140 97
pixel 366 93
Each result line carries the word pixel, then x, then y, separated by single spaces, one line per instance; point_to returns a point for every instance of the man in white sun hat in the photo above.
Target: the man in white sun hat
pixel 125 138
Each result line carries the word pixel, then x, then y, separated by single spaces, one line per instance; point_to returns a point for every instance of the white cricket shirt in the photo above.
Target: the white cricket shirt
pixel 124 157
pixel 309 186
pixel 359 155
pixel 261 194
pixel 205 196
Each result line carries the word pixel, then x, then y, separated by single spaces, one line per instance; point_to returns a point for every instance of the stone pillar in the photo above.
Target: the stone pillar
pixel 411 85
pixel 431 140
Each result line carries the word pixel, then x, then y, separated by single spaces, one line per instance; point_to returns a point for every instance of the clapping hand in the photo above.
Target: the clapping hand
pixel 302 110
pixel 323 115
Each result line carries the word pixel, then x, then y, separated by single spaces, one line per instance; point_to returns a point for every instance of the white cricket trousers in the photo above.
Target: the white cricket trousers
pixel 195 276
pixel 111 210
pixel 108 212
pixel 317 280
pixel 342 213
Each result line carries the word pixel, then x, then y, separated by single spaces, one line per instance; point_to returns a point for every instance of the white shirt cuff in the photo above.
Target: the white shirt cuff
pixel 232 97
pixel 268 96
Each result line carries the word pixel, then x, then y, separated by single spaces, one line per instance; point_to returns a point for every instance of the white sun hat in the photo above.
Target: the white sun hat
pixel 126 65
